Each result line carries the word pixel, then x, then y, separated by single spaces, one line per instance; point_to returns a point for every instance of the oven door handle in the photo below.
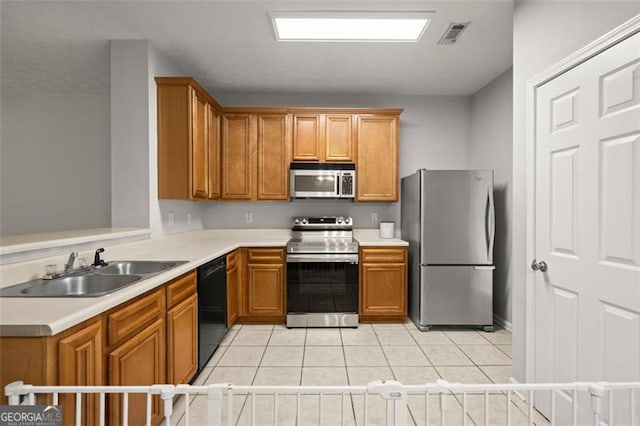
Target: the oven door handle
pixel 322 258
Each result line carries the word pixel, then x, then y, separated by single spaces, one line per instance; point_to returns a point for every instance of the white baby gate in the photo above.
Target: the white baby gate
pixel 395 401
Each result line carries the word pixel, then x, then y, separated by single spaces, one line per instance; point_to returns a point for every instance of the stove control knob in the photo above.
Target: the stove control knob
pixel 305 221
pixel 339 220
pixel 347 220
pixel 296 221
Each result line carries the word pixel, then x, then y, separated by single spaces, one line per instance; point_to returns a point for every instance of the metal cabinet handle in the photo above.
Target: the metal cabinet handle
pixel 539 266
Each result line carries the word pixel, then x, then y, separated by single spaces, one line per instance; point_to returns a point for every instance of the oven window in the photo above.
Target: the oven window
pixel 318 287
pixel 308 183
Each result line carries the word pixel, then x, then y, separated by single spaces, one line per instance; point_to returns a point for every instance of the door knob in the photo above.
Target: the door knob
pixel 539 266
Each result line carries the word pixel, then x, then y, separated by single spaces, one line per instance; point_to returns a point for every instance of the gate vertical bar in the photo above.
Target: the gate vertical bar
pixel 101 403
pixel 78 409
pixel 148 416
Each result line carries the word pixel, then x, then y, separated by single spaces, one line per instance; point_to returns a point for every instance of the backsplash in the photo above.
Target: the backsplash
pixel 278 214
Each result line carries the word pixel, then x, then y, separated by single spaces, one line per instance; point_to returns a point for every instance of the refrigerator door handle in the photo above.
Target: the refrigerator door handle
pixel 490 224
pixel 484 268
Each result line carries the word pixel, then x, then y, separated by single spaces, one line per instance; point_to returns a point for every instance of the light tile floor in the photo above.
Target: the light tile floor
pixel 275 355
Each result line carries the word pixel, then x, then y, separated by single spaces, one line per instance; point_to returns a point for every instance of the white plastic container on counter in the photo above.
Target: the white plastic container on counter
pixel 387 230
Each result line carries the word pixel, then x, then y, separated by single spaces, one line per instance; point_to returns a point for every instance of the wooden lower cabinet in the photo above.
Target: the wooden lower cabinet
pixel 138 361
pixel 80 358
pixel 149 340
pixel 182 341
pixel 383 284
pixel 266 289
pixel 233 285
pixel 182 328
pixel 264 294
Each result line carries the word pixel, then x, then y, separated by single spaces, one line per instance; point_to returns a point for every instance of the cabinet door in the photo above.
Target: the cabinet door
pixel 377 178
pixel 274 156
pixel 214 154
pixel 138 361
pixel 307 137
pixel 265 287
pixel 383 283
pixel 233 283
pixel 80 363
pixel 199 145
pixel 384 290
pixel 182 341
pixel 238 156
pixel 338 138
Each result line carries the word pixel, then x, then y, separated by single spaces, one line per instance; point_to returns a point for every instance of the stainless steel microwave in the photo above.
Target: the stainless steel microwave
pixel 323 180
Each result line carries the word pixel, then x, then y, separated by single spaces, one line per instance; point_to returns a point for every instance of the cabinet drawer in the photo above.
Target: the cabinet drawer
pixel 181 288
pixel 128 320
pixel 383 255
pixel 266 255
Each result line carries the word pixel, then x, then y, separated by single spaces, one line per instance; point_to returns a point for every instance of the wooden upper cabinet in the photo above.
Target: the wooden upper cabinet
pixel 377 167
pixel 215 173
pixel 339 140
pixel 238 156
pixel 185 133
pixel 307 137
pixel 274 156
pixel 199 147
pixel 323 137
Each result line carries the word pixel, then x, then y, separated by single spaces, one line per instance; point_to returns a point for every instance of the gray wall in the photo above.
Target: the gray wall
pixel 544 33
pixel 434 133
pixel 491 148
pixel 54 162
pixel 134 146
pixel 129 133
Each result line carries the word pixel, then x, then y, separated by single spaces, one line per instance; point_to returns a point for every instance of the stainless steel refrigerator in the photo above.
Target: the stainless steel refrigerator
pixel 449 221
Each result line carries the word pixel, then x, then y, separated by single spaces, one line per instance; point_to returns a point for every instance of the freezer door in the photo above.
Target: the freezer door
pixel 457 217
pixel 456 295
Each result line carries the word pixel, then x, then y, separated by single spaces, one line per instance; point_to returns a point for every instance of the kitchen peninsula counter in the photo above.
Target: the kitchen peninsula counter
pixel 29 316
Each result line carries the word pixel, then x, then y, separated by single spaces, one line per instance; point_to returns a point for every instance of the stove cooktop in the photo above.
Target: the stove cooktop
pixel 324 234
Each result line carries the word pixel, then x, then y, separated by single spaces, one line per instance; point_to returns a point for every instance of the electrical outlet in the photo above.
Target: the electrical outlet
pixel 248 217
pixel 171 219
pixel 188 218
pixel 374 217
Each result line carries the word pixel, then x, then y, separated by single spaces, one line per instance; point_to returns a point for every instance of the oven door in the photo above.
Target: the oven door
pixel 322 284
pixel 314 184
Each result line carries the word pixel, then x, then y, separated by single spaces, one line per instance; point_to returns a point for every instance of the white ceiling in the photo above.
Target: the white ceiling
pixel 229 46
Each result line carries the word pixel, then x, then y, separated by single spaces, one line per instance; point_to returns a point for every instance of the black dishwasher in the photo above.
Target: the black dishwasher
pixel 212 308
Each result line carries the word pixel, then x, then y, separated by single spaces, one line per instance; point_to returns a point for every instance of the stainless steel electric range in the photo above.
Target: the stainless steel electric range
pixel 322 273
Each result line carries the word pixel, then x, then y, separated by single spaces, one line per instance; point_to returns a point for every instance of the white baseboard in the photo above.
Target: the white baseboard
pixel 502 322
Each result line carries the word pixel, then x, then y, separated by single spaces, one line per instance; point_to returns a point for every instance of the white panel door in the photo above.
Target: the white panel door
pixel 588 229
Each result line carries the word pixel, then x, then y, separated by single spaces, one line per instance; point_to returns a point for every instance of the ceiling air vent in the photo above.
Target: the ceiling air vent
pixel 453 33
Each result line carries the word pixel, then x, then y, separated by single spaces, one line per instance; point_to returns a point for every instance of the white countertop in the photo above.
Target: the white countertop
pixel 371 238
pixel 49 316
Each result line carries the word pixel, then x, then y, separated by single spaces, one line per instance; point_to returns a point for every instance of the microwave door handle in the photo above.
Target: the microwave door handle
pixel 338 182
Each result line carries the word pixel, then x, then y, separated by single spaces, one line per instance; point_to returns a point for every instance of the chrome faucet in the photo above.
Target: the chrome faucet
pixel 68 267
